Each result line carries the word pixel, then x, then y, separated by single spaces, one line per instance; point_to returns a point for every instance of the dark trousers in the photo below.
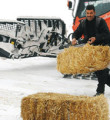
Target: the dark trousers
pixel 103 78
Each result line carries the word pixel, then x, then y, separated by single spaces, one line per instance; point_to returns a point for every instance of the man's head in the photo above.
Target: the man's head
pixel 90 12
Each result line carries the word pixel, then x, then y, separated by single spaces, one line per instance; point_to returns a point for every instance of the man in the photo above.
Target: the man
pixel 95 31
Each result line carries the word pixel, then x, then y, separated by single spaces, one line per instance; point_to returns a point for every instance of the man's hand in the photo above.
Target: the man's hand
pixel 74 41
pixel 91 40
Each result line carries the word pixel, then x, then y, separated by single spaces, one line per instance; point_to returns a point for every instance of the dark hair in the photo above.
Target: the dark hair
pixel 90 7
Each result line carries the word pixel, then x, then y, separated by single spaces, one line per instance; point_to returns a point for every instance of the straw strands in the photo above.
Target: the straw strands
pixel 81 60
pixel 54 106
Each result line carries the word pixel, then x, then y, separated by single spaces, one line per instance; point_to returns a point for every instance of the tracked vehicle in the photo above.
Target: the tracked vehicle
pixel 32 36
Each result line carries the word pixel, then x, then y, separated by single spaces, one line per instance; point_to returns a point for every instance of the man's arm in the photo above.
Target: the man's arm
pixel 77 34
pixel 101 37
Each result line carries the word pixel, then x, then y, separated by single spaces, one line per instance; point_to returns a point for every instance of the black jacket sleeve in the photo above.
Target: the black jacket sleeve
pixel 78 32
pixel 103 33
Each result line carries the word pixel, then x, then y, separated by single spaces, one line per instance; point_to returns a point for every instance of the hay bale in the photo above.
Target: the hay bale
pixel 81 60
pixel 54 106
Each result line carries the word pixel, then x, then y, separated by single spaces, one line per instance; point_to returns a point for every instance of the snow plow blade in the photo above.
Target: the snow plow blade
pixel 4 53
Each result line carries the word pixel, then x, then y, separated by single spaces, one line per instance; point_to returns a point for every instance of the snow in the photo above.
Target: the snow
pixel 22 77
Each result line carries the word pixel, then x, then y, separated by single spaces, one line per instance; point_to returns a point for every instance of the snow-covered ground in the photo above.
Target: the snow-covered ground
pixel 19 78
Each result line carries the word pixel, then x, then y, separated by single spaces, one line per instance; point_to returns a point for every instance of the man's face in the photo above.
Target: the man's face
pixel 90 14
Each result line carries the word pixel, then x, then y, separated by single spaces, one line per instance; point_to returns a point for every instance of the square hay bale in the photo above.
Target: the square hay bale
pixel 82 60
pixel 54 106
